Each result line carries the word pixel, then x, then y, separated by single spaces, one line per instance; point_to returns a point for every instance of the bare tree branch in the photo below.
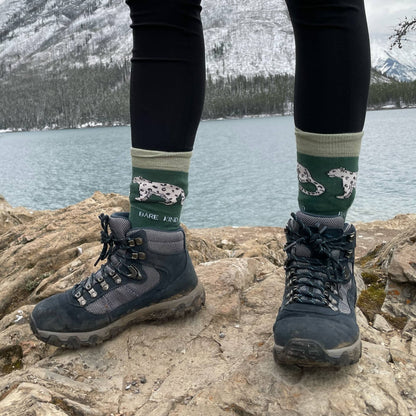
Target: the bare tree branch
pixel 401 30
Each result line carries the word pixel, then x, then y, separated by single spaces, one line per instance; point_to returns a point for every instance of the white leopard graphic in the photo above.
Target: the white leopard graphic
pixel 169 193
pixel 304 176
pixel 349 180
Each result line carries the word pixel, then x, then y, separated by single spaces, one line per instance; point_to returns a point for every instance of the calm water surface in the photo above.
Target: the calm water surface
pixel 243 172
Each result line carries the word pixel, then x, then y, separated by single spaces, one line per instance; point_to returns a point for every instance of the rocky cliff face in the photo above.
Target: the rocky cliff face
pixel 218 362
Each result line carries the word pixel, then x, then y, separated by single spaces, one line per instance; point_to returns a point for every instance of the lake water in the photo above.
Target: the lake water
pixel 243 172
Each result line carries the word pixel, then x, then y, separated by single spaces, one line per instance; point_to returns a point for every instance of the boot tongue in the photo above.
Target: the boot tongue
pixel 119 225
pixel 318 222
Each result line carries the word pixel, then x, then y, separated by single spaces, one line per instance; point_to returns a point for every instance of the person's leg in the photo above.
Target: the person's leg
pixel 331 89
pixel 166 100
pixel 316 323
pixel 148 273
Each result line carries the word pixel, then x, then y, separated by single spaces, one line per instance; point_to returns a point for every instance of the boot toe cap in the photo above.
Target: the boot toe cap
pixel 329 333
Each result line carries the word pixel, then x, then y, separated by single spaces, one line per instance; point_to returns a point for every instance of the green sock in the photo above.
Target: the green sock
pixel 158 189
pixel 327 171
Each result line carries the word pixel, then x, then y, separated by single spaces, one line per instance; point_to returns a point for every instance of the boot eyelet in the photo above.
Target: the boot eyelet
pixel 92 293
pixel 134 273
pixel 135 242
pixel 82 301
pixel 138 255
pixel 351 237
pixel 88 286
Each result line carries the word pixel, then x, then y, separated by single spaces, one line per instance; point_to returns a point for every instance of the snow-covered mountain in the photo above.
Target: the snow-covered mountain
pixel 253 36
pixel 395 63
pixel 74 32
pixel 242 37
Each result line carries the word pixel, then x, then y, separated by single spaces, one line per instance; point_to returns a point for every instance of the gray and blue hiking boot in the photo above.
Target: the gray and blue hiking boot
pixel 148 275
pixel 316 324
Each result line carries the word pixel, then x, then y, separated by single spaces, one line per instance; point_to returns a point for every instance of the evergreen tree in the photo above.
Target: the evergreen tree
pixel 71 97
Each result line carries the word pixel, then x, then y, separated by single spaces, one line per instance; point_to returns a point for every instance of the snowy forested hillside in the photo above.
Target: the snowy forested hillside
pixel 247 37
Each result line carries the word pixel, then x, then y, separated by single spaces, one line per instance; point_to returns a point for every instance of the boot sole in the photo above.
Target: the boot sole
pixel 164 310
pixel 309 353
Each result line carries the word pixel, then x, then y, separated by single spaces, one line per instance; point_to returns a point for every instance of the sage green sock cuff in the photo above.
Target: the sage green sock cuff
pixel 328 145
pixel 158 160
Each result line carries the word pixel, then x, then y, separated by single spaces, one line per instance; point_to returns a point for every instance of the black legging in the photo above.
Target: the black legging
pixel 168 69
pixel 167 73
pixel 332 65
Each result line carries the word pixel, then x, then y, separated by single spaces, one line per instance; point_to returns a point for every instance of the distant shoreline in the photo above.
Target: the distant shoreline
pixel 250 116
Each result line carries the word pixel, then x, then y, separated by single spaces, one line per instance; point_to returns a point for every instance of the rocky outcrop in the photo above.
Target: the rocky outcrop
pixel 218 362
pixel 397 258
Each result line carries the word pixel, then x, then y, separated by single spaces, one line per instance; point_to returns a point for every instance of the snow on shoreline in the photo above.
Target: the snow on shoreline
pixel 92 124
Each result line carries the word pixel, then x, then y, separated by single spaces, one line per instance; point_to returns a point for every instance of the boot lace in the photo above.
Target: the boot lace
pixel 107 239
pixel 315 279
pixel 114 251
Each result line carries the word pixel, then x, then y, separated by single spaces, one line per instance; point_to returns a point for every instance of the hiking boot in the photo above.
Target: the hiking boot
pixel 148 275
pixel 316 324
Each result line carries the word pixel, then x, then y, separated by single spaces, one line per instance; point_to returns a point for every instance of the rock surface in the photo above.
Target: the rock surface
pixel 218 362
